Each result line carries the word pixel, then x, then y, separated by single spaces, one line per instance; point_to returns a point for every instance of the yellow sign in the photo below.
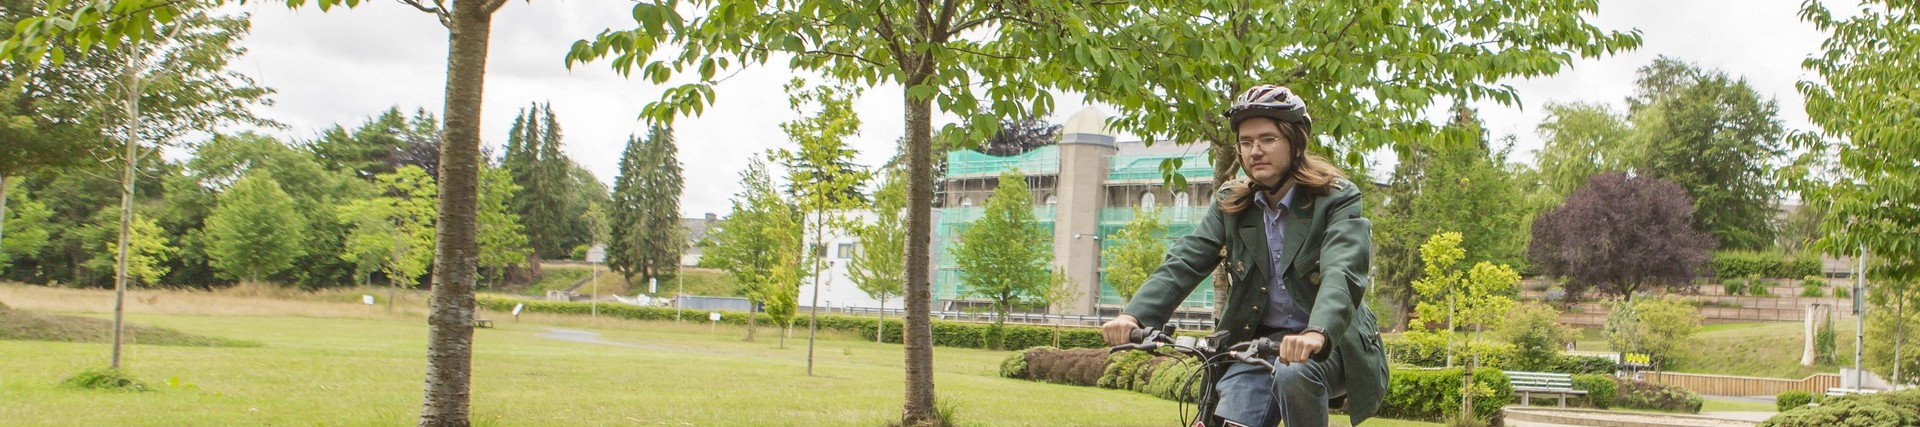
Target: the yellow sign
pixel 1636 359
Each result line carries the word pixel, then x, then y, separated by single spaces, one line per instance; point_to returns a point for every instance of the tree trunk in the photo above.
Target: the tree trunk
pixel 1225 160
pixel 450 338
pixel 750 321
pixel 1899 334
pixel 880 326
pixel 120 276
pixel 917 335
pixel 3 210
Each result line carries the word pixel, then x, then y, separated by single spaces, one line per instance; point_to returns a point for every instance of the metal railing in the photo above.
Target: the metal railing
pixel 1022 318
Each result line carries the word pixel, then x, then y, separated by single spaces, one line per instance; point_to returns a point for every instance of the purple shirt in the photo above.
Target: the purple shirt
pixel 1281 312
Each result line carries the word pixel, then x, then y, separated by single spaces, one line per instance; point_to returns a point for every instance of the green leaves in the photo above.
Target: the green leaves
pixel 255 231
pixel 1005 256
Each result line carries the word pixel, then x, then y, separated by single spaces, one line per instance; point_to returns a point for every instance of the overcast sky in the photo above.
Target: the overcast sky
pixel 344 66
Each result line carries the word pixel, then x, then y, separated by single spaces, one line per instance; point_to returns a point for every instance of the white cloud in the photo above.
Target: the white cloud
pixel 346 65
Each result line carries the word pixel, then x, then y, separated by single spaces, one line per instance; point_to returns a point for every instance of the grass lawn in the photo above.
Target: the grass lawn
pixel 331 363
pixel 1765 349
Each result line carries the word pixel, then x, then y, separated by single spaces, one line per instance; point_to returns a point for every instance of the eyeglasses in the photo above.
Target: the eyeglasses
pixel 1266 143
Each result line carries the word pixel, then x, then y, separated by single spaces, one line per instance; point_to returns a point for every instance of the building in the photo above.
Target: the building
pixel 837 290
pixel 1085 188
pixel 696 229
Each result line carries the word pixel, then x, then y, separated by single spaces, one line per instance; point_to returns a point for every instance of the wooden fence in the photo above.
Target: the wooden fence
pixel 1725 385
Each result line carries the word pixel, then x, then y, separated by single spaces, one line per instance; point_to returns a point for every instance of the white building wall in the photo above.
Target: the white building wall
pixel 837 289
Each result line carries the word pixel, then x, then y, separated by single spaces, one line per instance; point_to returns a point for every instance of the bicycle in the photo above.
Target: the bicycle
pixel 1213 360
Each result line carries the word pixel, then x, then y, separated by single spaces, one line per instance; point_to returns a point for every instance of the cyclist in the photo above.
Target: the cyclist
pixel 1297 245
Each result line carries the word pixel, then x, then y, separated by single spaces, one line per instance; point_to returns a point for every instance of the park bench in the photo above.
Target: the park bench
pixel 1838 391
pixel 1528 384
pixel 482 323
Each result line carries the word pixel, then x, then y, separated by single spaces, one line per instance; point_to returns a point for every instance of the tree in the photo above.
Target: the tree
pixel 317 192
pixel 1583 140
pixel 1005 256
pixel 648 239
pixel 1619 233
pixel 1475 297
pixel 1716 137
pixel 821 176
pixel 1132 253
pixel 875 268
pixel 147 247
pixel 255 231
pixel 1021 135
pixel 394 232
pixel 1892 304
pixel 1656 327
pixel 1060 289
pixel 27 218
pixel 503 242
pixel 756 240
pixel 1862 100
pixel 533 155
pixel 1454 181
pixel 933 51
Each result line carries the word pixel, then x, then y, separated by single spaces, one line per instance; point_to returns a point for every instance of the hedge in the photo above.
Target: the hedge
pixel 1736 264
pixel 1659 397
pixel 1577 365
pixel 1434 394
pixel 945 333
pixel 1600 389
pixel 1900 408
pixel 1079 366
pixel 1431 354
pixel 1792 399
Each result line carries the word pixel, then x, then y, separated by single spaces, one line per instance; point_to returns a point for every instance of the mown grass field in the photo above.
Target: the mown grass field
pixel 1764 349
pixel 332 362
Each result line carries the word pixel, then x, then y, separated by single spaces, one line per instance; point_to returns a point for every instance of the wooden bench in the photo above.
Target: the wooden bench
pixel 482 323
pixel 1528 384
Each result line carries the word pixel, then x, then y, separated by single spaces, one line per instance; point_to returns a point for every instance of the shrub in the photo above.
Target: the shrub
pixel 1121 369
pixel 105 379
pixel 1080 366
pixel 1792 399
pixel 1016 365
pixel 1430 350
pixel 1645 395
pixel 1729 264
pixel 1757 287
pixel 1658 327
pixel 1434 394
pixel 1884 409
pixel 946 334
pixel 1812 291
pixel 1165 379
pixel 1732 286
pixel 1577 365
pixel 1536 334
pixel 1600 389
pixel 1842 292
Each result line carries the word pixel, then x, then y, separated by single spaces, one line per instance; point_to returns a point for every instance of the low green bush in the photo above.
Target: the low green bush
pixel 945 334
pixel 1600 389
pixel 1121 369
pixel 1659 397
pixel 1812 291
pixel 1757 287
pixel 1434 394
pixel 1842 292
pixel 1732 286
pixel 1792 399
pixel 1015 366
pixel 105 379
pixel 1730 264
pixel 1900 408
pixel 1165 379
pixel 1432 354
pixel 1577 365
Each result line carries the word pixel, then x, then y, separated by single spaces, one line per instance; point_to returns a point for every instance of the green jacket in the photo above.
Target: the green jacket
pixel 1329 242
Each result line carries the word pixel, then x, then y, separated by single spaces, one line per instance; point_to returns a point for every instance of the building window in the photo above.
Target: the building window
pixel 1182 200
pixel 1052 201
pixel 847 250
pixel 966 202
pixel 1146 200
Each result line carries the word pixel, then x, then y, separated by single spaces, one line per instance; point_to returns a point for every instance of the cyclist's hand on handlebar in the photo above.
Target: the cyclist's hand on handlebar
pixel 1298 348
pixel 1116 331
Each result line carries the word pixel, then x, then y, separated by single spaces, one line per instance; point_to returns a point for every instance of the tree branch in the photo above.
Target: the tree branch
pixel 845 55
pixel 979 53
pixel 494 5
pixel 439 11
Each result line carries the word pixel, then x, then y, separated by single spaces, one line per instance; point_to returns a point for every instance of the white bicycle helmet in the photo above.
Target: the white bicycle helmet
pixel 1273 102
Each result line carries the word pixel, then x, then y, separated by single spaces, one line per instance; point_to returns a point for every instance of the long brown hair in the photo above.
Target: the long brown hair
pixel 1313 177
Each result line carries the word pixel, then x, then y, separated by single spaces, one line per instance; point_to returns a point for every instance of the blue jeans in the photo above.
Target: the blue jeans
pixel 1296 393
